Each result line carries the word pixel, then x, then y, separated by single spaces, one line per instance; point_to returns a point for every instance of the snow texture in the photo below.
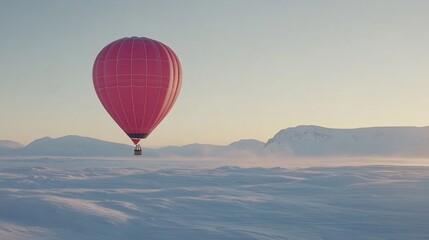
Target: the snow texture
pixel 50 198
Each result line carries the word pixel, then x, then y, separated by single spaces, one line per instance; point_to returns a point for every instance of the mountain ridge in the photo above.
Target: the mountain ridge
pixel 299 141
pixel 371 141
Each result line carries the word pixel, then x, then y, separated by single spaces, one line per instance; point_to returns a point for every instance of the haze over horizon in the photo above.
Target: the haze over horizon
pixel 280 130
pixel 250 68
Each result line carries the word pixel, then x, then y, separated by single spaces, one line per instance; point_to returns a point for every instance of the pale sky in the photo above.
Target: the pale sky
pixel 250 68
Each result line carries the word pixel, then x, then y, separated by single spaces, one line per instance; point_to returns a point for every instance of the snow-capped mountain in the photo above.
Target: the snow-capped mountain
pixel 374 141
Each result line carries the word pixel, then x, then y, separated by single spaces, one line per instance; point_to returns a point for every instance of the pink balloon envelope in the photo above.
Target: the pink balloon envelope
pixel 137 80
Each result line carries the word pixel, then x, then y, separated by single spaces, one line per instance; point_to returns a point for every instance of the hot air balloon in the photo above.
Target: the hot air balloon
pixel 137 80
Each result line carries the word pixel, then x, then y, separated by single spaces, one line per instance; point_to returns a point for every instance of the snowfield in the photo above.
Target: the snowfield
pixel 155 199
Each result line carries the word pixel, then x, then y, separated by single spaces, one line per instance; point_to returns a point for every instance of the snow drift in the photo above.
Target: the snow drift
pixel 114 200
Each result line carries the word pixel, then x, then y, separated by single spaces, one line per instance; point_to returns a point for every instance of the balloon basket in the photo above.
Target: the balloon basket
pixel 137 150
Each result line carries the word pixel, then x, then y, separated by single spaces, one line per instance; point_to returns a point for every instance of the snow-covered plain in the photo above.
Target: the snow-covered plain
pixel 67 198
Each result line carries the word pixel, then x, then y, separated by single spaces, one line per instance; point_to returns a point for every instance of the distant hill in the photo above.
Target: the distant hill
pixel 374 141
pixel 77 146
pixel 242 148
pixel 70 146
pixel 300 141
pixel 10 144
pixel 7 147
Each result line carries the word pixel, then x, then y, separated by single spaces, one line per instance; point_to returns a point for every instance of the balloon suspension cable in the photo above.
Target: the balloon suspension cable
pixel 138 150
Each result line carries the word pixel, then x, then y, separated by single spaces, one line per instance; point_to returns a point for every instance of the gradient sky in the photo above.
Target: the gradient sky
pixel 250 68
